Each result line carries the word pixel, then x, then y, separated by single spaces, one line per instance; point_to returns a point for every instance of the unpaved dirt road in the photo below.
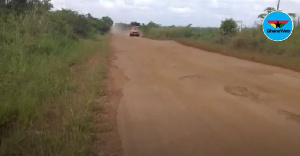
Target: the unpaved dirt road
pixel 181 101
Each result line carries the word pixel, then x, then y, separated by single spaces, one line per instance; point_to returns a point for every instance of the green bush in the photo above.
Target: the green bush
pixel 228 27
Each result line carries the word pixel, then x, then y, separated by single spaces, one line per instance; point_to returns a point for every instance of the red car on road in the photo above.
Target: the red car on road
pixel 134 31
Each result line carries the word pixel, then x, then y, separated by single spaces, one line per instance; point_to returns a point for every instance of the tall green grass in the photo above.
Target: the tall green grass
pixel 47 101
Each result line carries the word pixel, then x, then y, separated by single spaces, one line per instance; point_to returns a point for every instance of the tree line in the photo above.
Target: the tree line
pixel 228 27
pixel 80 24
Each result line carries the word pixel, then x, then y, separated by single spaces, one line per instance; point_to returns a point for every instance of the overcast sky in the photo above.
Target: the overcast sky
pixel 177 12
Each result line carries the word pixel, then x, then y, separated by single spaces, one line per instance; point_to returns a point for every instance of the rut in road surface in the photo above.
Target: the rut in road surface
pixel 181 101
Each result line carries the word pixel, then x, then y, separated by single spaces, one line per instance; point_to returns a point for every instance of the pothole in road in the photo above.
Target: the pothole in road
pixel 240 91
pixel 290 115
pixel 191 77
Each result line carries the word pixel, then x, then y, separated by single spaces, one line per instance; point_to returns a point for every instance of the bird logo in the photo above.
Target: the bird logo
pixel 278 24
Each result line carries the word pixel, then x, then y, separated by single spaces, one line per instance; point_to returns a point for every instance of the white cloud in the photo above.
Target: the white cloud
pixel 181 10
pixel 129 2
pixel 107 4
pixel 177 12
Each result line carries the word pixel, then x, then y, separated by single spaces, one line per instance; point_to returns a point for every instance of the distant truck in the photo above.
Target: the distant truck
pixel 134 29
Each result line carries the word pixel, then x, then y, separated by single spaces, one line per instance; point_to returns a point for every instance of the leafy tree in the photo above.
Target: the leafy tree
pixel 147 27
pixel 267 11
pixel 25 6
pixel 108 21
pixel 135 23
pixel 105 23
pixel 152 24
pixel 78 23
pixel 228 27
pixel 189 25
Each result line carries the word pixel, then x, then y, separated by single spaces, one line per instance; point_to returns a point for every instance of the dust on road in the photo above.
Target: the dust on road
pixel 181 101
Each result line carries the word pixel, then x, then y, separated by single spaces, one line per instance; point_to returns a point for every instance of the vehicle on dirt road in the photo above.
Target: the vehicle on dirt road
pixel 134 31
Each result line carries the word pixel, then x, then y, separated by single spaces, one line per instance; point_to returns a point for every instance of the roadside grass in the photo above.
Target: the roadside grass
pixel 250 44
pixel 206 34
pixel 288 62
pixel 51 104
